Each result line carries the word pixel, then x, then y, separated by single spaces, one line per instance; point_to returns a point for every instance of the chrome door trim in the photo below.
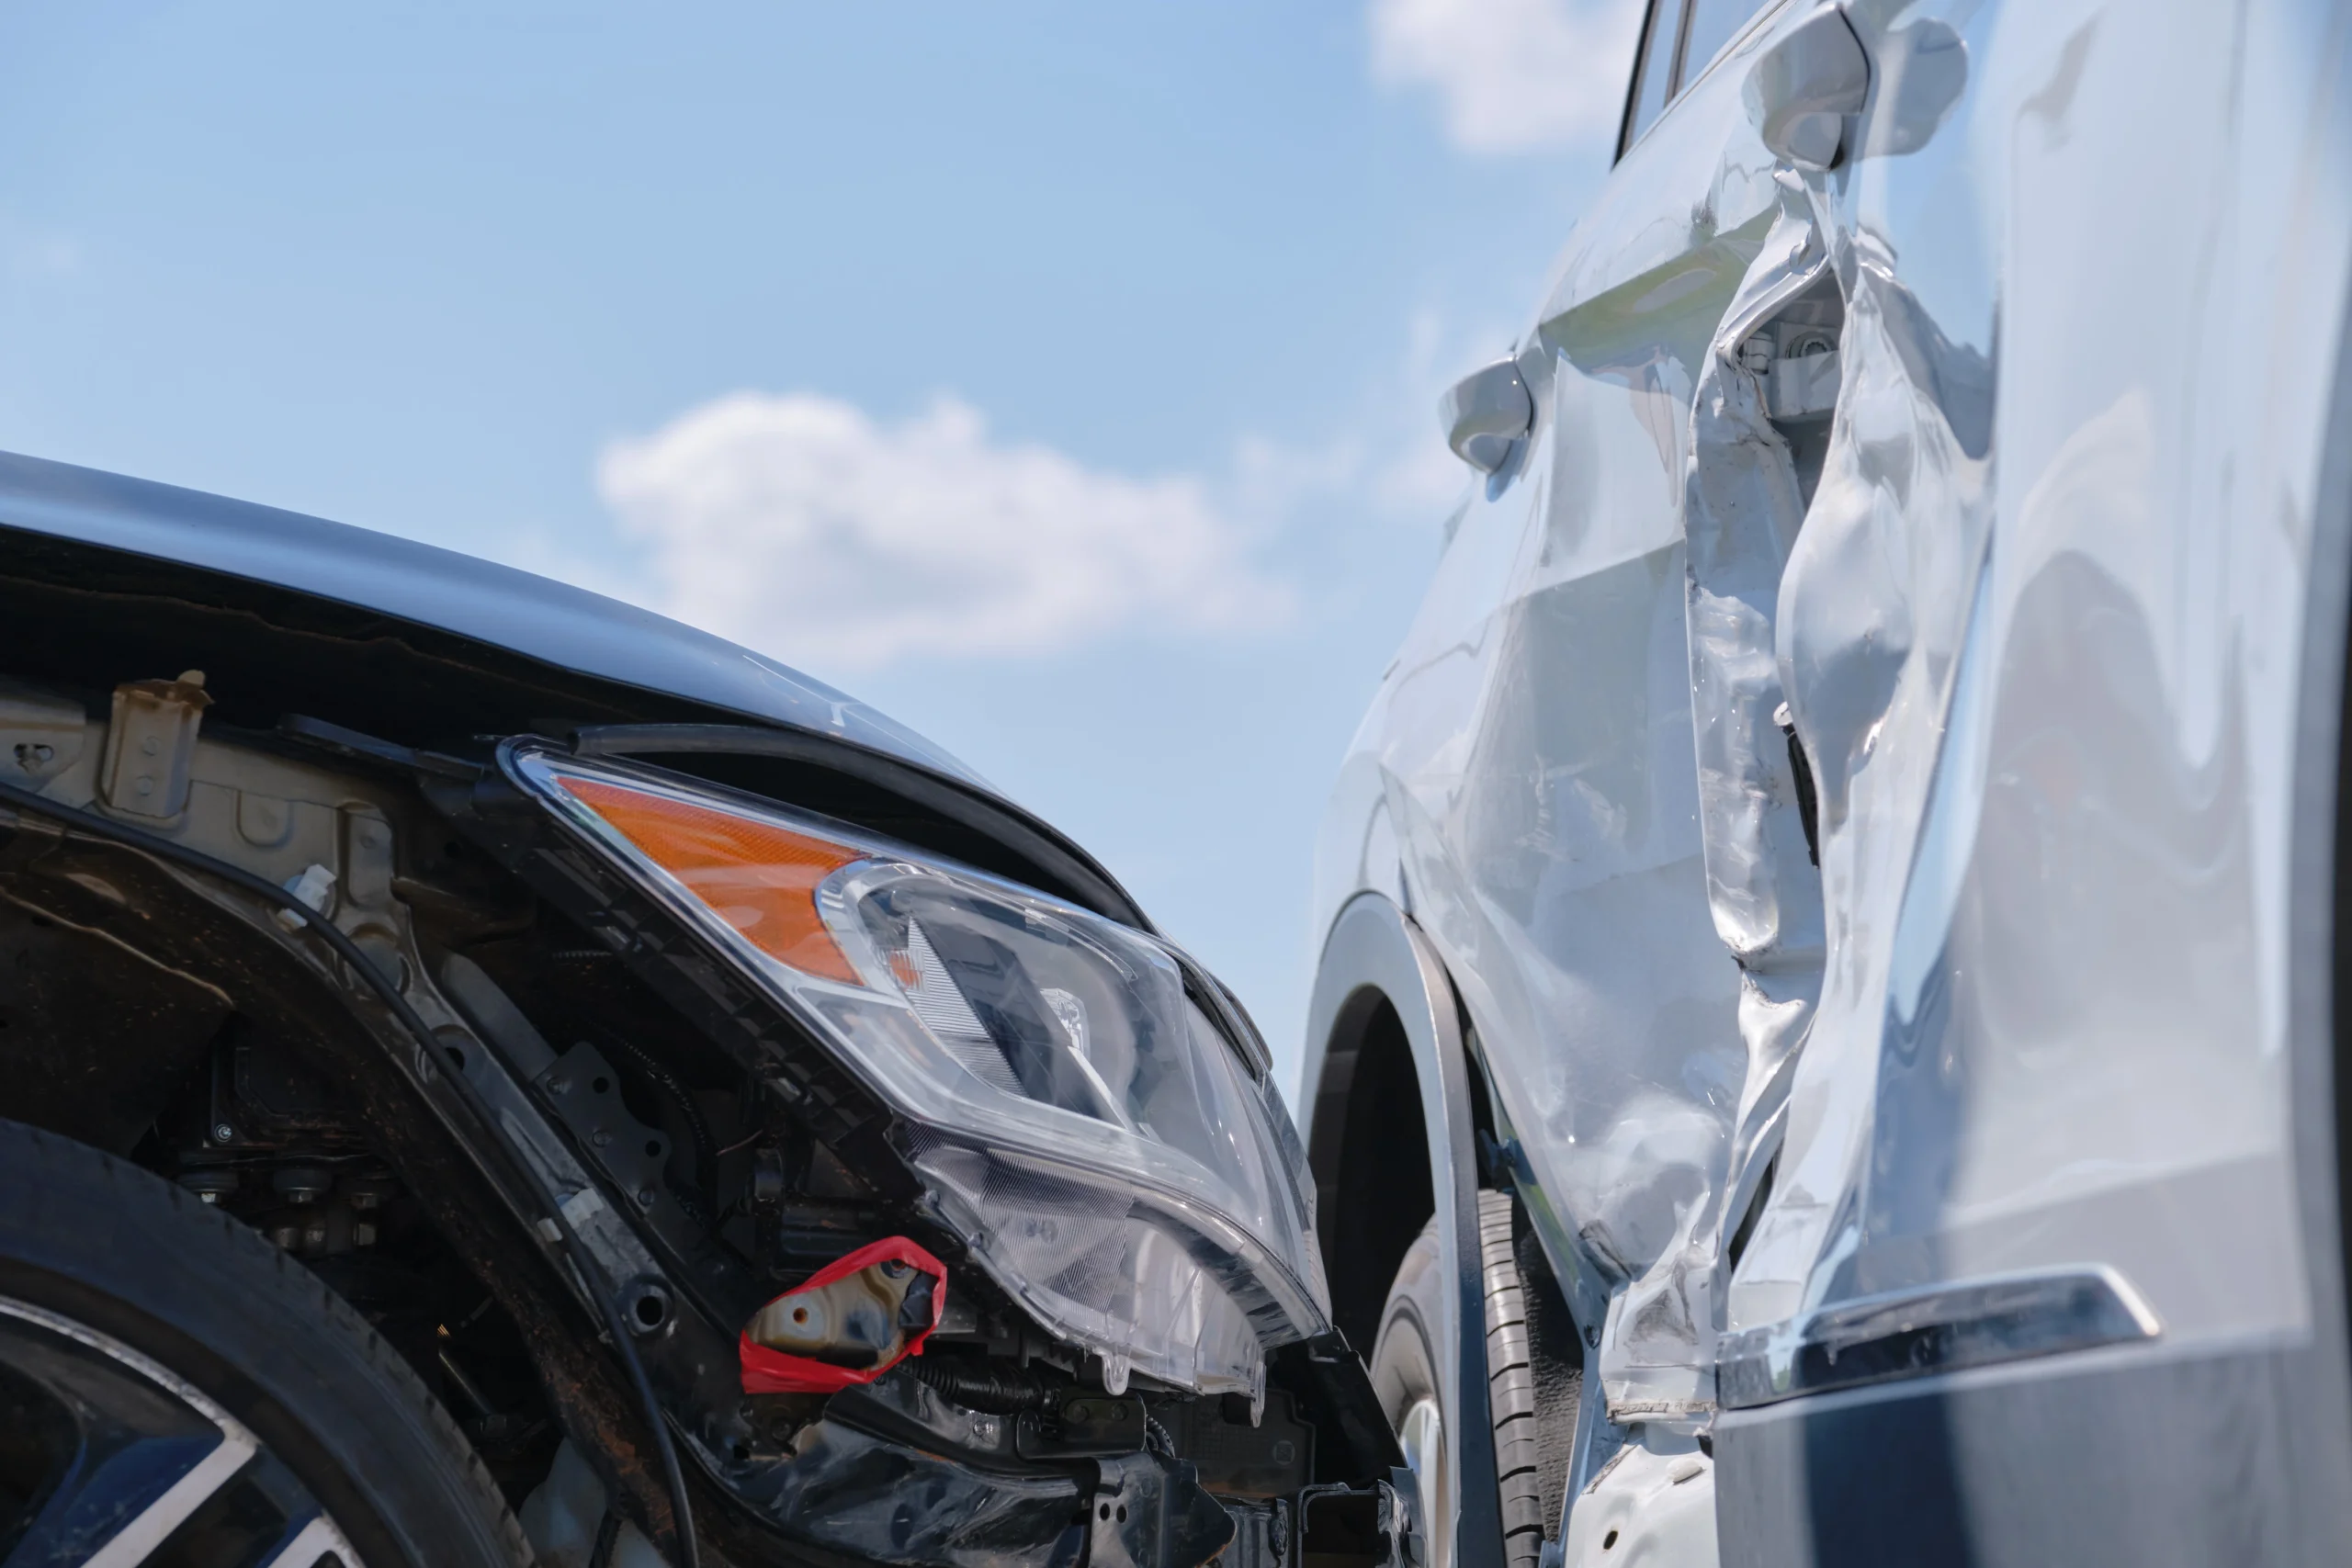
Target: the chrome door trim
pixel 1942 1328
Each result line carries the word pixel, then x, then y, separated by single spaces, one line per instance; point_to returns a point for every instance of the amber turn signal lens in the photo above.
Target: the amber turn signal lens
pixel 759 878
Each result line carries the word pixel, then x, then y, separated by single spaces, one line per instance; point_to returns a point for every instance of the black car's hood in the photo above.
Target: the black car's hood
pixel 533 616
pixel 443 645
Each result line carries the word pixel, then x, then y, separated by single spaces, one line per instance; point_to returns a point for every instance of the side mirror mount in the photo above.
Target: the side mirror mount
pixel 1801 90
pixel 1484 412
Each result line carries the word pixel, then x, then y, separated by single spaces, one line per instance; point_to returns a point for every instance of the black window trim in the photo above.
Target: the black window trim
pixel 1682 48
pixel 1760 15
pixel 1633 85
pixel 1625 133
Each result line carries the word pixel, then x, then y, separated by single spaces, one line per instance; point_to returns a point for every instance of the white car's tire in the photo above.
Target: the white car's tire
pixel 1404 1375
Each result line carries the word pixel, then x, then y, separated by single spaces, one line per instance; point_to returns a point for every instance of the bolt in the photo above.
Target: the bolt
pixel 151 745
pixel 210 1186
pixel 645 1198
pixel 559 1085
pixel 599 1137
pixel 145 784
pixel 222 1132
pixel 302 1184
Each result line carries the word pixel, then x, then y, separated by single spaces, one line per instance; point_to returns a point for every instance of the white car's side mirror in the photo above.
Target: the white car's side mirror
pixel 1801 89
pixel 1484 412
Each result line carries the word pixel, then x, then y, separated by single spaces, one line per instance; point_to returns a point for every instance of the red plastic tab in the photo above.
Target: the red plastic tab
pixel 774 1371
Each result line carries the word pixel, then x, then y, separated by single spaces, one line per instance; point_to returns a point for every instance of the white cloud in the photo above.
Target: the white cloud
pixel 798 524
pixel 1514 76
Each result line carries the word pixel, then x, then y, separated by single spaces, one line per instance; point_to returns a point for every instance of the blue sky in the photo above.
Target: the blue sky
pixel 1057 378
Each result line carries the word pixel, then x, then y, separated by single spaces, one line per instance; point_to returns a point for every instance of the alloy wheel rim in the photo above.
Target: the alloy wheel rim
pixel 118 1461
pixel 1421 1433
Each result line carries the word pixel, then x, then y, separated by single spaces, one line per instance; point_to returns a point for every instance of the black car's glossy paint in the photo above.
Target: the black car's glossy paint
pixel 292 613
pixel 533 616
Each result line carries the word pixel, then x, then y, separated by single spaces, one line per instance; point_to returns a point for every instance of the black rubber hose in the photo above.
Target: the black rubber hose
pixel 608 1535
pixel 1001 1390
pixel 101 829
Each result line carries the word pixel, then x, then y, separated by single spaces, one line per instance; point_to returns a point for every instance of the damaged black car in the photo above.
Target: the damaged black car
pixel 491 1075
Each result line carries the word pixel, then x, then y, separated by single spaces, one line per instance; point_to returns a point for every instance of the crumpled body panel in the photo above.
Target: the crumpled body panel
pixel 2045 652
pixel 1532 757
pixel 2031 616
pixel 894 1472
pixel 888 1501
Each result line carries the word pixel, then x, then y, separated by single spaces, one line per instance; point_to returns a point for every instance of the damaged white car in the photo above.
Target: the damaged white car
pixel 493 1075
pixel 1826 1023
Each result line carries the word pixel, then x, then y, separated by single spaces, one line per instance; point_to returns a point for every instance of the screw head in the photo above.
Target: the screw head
pixel 222 1132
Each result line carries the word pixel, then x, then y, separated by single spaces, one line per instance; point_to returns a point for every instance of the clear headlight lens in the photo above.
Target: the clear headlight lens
pixel 1082 1119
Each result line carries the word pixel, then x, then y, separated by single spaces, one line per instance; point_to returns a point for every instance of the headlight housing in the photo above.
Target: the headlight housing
pixel 1076 1095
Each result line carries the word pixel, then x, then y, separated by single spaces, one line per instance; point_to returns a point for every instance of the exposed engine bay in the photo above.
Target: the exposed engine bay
pixel 870 1335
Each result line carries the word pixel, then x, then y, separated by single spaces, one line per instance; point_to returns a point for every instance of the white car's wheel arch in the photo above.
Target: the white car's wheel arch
pixel 1374 963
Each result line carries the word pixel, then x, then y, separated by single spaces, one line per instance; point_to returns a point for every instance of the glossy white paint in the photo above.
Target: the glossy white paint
pixel 1649 1509
pixel 2054 828
pixel 2037 624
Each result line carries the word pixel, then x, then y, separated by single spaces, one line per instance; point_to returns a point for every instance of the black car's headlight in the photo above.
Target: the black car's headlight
pixel 1088 1127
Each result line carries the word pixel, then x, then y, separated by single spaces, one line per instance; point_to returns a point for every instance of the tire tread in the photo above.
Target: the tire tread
pixel 1511 1376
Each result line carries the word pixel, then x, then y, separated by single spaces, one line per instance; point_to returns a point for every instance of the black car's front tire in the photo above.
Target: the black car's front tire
pixel 178 1392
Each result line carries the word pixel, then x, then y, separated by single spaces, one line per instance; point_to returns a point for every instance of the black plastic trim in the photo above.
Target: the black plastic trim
pixel 1374 951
